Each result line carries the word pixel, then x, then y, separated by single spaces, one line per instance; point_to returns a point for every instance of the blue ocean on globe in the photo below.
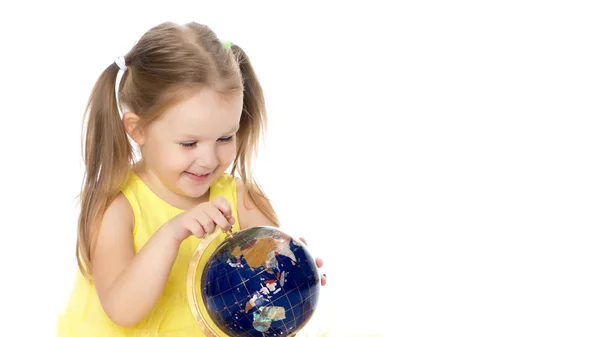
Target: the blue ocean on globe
pixel 260 282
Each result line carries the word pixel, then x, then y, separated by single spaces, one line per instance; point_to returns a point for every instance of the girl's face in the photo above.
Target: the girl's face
pixel 191 144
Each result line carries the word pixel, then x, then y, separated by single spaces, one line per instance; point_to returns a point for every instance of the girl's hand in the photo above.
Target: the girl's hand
pixel 319 263
pixel 202 220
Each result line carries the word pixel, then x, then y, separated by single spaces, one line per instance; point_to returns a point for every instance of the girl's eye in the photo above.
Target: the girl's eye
pixel 225 139
pixel 188 144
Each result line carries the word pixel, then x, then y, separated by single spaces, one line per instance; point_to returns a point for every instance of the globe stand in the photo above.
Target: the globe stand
pixel 202 319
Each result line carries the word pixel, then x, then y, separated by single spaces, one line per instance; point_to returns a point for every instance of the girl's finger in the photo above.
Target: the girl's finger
pixel 215 214
pixel 225 208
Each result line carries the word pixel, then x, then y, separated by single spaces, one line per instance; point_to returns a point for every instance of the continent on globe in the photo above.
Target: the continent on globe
pixel 265 315
pixel 262 251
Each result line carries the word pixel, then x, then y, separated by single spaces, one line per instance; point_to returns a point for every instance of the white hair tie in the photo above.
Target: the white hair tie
pixel 120 61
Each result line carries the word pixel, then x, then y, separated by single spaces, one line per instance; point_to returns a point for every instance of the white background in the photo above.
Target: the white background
pixel 441 156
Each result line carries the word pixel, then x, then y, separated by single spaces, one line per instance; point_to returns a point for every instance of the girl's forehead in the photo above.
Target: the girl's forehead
pixel 207 110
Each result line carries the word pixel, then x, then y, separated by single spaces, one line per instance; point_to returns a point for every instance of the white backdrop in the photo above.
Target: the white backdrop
pixel 442 157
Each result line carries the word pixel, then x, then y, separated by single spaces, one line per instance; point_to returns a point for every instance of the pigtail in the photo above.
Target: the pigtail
pixel 252 124
pixel 107 156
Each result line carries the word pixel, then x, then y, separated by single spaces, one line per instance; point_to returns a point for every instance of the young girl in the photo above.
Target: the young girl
pixel 194 107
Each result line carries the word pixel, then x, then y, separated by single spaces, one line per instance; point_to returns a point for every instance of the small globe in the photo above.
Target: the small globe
pixel 260 282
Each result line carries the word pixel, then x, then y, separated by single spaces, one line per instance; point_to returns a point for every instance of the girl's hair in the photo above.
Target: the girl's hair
pixel 164 66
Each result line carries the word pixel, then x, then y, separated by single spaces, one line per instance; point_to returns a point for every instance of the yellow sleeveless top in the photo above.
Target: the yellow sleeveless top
pixel 83 314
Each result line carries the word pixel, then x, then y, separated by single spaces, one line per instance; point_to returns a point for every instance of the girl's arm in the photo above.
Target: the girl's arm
pixel 127 284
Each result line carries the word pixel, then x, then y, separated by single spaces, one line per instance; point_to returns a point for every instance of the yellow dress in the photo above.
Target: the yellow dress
pixel 83 314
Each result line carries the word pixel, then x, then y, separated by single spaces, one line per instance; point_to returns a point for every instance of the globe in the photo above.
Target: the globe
pixel 260 282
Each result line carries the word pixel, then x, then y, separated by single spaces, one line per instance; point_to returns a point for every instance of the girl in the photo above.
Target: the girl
pixel 194 107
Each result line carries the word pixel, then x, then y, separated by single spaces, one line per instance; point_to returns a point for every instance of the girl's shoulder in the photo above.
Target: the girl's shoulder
pixel 119 212
pixel 249 213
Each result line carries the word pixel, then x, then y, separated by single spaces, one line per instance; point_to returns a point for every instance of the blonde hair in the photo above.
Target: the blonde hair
pixel 164 64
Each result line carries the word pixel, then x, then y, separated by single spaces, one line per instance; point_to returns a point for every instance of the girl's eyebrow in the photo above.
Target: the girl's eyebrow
pixel 192 136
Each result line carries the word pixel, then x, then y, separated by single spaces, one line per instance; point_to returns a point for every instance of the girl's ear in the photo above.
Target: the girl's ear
pixel 132 127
